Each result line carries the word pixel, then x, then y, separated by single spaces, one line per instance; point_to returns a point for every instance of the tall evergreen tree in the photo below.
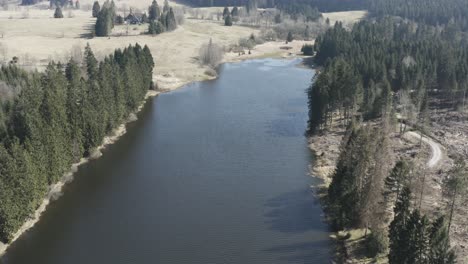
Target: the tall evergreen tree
pixel 397 231
pixel 171 23
pixel 166 6
pixel 226 12
pixel 398 178
pixel 58 12
pixel 440 251
pixel 235 12
pixel 96 9
pixel 228 20
pixel 154 11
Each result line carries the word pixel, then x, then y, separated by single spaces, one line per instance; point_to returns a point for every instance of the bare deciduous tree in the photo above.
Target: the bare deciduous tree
pixel 211 54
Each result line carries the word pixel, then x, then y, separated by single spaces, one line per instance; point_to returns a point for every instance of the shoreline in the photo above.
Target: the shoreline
pixel 55 190
pixel 271 49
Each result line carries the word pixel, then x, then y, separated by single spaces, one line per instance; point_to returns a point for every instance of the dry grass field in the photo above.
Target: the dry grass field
pixel 35 37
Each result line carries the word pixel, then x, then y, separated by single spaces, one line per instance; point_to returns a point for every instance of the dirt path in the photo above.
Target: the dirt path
pixel 436 150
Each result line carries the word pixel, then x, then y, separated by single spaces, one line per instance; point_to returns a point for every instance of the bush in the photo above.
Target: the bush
pixel 307 50
pixel 377 243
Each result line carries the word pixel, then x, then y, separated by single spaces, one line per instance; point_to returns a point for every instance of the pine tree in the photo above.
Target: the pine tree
pixel 166 6
pixel 225 12
pixel 154 11
pixel 457 185
pixel 171 23
pixel 307 33
pixel 91 63
pixel 397 229
pixel 289 38
pixel 58 12
pixel 228 21
pixel 75 100
pixel 96 9
pixel 105 20
pixel 235 12
pixel 417 230
pixel 440 251
pixel 398 178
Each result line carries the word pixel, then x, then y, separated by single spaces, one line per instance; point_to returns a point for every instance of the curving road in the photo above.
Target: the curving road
pixel 435 148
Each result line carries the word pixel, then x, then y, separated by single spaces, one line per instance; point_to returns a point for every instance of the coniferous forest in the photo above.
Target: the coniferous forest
pixel 55 118
pixel 415 48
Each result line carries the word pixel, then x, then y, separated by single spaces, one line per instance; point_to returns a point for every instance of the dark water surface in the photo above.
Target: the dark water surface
pixel 213 173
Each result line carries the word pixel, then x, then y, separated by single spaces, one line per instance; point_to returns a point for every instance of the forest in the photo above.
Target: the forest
pixel 404 54
pixel 309 8
pixel 322 5
pixel 421 58
pixel 448 13
pixel 51 119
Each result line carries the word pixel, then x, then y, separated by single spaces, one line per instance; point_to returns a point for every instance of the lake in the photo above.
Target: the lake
pixel 213 173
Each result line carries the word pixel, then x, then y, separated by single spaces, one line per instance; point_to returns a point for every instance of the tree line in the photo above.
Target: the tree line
pixel 59 116
pixel 363 67
pixel 450 13
pixel 322 5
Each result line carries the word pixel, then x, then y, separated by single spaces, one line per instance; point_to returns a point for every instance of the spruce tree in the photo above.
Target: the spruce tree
pixel 228 21
pixel 235 12
pixel 225 12
pixel 96 9
pixel 154 12
pixel 289 38
pixel 417 231
pixel 105 20
pixel 457 186
pixel 58 12
pixel 440 251
pixel 398 236
pixel 166 6
pixel 171 23
pixel 398 178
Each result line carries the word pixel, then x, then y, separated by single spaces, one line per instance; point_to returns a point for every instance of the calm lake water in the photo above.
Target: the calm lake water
pixel 213 173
